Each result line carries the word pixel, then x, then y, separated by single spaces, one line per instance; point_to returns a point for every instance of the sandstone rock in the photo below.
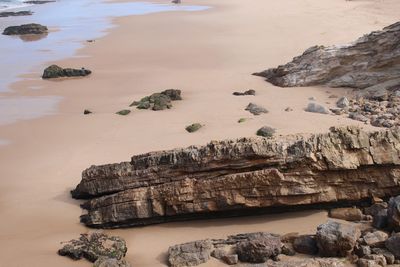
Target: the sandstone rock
pixel 256 109
pixel 55 71
pixel 393 245
pixel 336 239
pixel 375 239
pixel 248 92
pixel 15 14
pixel 32 28
pixel 92 246
pixel 238 177
pixel 266 131
pixel 259 250
pixel 190 254
pixel 394 213
pixel 110 262
pixel 348 214
pixel 231 259
pixel 371 60
pixel 316 262
pixel 384 252
pixel 317 108
pixel 305 244
pixel 193 127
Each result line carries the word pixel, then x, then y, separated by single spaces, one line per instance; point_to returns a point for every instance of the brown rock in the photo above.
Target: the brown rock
pixel 347 214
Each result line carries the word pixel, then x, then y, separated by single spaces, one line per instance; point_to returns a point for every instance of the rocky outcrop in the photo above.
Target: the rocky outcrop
pixel 259 249
pixel 158 101
pixel 244 176
pixel 32 28
pixel 371 60
pixel 55 71
pixel 190 254
pixel 15 14
pixel 96 247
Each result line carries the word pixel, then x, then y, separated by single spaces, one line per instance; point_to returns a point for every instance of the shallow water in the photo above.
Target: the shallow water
pixel 71 23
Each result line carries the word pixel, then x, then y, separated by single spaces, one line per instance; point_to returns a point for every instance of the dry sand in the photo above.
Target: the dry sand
pixel 208 55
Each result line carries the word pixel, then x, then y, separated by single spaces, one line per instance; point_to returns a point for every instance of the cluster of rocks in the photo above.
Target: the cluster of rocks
pixel 15 14
pixel 247 92
pixel 358 242
pixel 158 101
pixel 97 247
pixel 382 111
pixel 372 60
pixel 32 28
pixel 55 71
pixel 283 172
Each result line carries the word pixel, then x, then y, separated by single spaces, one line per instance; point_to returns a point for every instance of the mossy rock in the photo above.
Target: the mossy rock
pixel 193 127
pixel 241 120
pixel 87 112
pixel 123 112
pixel 158 101
pixel 266 131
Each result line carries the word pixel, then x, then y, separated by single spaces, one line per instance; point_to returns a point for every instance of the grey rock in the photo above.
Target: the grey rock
pixel 317 108
pixel 362 250
pixel 32 28
pixel 375 239
pixel 231 259
pixel 55 71
pixel 256 109
pixel 15 14
pixel 386 253
pixel 110 262
pixel 394 213
pixel 336 239
pixel 370 60
pixel 190 254
pixel 343 102
pixel 193 127
pixel 266 131
pixel 305 244
pixel 259 250
pixel 393 244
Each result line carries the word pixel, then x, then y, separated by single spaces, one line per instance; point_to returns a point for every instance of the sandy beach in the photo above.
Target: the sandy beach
pixel 208 55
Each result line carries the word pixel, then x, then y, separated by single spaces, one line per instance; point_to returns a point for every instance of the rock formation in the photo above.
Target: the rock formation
pixel 370 61
pixel 158 101
pixel 32 28
pixel 244 176
pixel 55 71
pixel 15 14
pixel 96 247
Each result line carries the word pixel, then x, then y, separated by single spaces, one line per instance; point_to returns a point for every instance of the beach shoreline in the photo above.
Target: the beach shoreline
pixel 208 55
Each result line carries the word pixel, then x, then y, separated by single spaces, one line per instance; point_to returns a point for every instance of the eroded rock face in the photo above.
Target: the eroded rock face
pixel 93 246
pixel 371 60
pixel 55 71
pixel 32 28
pixel 242 176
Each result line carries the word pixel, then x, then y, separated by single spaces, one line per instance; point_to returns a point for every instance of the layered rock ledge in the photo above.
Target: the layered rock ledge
pixel 243 176
pixel 371 60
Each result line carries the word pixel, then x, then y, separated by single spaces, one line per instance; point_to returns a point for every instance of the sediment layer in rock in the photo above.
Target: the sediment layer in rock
pixel 242 176
pixel 371 60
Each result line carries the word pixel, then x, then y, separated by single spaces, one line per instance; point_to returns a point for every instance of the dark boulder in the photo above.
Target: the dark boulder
pixel 248 92
pixel 394 213
pixel 259 249
pixel 32 28
pixel 266 131
pixel 15 14
pixel 305 244
pixel 393 245
pixel 55 71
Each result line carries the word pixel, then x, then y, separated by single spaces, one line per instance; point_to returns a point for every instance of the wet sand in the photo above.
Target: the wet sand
pixel 208 55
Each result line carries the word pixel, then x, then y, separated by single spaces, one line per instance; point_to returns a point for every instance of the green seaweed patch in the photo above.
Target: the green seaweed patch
pixel 193 127
pixel 123 112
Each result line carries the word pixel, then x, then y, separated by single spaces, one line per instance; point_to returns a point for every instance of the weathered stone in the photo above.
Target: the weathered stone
pixel 55 71
pixel 317 108
pixel 336 239
pixel 343 102
pixel 231 259
pixel 315 262
pixel 375 239
pixel 158 101
pixel 193 127
pixel 394 213
pixel 255 109
pixel 305 244
pixel 386 253
pixel 393 245
pixel 248 92
pixel 93 246
pixel 287 249
pixel 348 214
pixel 123 112
pixel 110 262
pixel 242 176
pixel 32 28
pixel 371 60
pixel 15 14
pixel 379 260
pixel 266 131
pixel 259 250
pixel 362 250
pixel 190 254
